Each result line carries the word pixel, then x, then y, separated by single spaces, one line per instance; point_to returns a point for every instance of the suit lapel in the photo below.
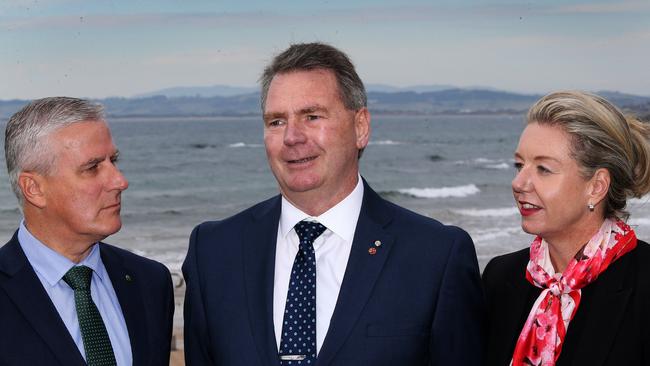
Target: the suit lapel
pixel 603 304
pixel 361 272
pixel 519 300
pixel 26 291
pixel 126 287
pixel 259 242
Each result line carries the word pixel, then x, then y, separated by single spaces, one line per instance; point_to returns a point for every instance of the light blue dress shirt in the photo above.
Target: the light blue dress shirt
pixel 50 268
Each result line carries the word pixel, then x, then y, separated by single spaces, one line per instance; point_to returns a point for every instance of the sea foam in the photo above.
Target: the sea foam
pixel 243 144
pixel 488 212
pixel 442 192
pixel 500 166
pixel 384 142
pixel 639 221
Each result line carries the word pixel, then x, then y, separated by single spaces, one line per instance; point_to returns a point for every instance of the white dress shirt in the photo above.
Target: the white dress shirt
pixel 332 252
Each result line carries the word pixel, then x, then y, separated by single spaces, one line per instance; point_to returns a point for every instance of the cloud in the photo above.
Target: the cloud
pixel 364 15
pixel 618 7
pixel 210 57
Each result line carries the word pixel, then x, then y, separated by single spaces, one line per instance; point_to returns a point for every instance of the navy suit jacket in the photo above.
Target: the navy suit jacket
pixel 417 301
pixel 34 334
pixel 611 326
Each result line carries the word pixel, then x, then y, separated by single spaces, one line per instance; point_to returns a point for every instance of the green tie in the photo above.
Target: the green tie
pixel 97 345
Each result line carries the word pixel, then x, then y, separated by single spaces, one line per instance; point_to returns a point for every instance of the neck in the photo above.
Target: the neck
pixel 74 249
pixel 315 203
pixel 563 249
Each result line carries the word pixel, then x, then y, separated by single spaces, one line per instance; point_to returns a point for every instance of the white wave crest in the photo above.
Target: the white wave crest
pixel 491 234
pixel 442 192
pixel 488 212
pixel 243 144
pixel 485 161
pixel 639 221
pixel 384 142
pixel 501 166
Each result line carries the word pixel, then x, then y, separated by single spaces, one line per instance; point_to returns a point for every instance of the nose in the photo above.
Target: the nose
pixel 293 133
pixel 521 181
pixel 118 180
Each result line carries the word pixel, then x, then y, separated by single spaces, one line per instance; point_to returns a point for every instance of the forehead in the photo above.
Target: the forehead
pixel 81 137
pixel 302 86
pixel 545 140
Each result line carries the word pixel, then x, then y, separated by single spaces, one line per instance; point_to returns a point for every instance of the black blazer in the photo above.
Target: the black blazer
pixel 611 325
pixel 32 332
pixel 417 301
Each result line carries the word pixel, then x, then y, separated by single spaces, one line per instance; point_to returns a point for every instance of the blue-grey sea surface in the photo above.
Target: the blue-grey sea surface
pixel 182 171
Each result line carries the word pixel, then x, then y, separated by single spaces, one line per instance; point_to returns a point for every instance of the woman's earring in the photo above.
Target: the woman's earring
pixel 591 207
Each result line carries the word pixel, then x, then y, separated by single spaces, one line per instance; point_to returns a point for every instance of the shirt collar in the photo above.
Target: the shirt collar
pixel 51 265
pixel 340 219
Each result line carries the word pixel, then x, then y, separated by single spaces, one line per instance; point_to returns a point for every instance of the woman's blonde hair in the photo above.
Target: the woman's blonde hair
pixel 602 137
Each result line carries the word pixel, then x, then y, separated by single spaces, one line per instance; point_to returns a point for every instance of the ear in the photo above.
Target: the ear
pixel 362 127
pixel 599 186
pixel 31 184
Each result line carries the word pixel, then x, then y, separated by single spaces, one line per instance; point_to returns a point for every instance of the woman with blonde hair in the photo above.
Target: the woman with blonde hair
pixel 580 295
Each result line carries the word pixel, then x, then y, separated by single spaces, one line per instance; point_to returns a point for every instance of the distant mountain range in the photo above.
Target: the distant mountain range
pixel 223 100
pixel 229 91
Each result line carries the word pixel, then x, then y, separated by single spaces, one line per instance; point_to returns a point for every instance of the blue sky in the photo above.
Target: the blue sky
pixel 123 48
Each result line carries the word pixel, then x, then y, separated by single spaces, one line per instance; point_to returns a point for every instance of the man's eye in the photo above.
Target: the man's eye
pixel 275 123
pixel 542 169
pixel 312 117
pixel 518 166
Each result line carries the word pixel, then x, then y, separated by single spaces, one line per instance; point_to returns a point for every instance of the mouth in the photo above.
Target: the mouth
pixel 114 206
pixel 302 161
pixel 527 208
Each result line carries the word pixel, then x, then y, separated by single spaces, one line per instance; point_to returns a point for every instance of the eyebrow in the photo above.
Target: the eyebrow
pixel 312 109
pixel 540 157
pixel 273 115
pixel 93 161
pixel 305 110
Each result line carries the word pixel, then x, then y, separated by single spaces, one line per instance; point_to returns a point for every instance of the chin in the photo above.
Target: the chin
pixel 110 229
pixel 529 229
pixel 303 184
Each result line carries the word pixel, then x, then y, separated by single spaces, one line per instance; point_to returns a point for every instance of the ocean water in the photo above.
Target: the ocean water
pixel 456 169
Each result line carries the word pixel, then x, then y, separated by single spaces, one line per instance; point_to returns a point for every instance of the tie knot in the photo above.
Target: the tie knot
pixel 308 231
pixel 78 277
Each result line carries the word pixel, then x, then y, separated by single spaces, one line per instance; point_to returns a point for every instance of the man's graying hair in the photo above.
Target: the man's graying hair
pixel 310 56
pixel 26 145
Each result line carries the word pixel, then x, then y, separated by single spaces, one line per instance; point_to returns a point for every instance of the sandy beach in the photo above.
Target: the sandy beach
pixel 177 355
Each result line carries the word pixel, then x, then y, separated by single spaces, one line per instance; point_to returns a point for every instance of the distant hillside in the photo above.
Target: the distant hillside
pixel 447 101
pixel 200 91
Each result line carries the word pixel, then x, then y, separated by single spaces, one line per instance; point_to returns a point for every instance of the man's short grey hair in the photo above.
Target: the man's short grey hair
pixel 311 56
pixel 26 145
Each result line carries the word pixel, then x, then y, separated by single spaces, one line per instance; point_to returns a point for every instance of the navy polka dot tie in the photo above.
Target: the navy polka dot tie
pixel 298 341
pixel 97 345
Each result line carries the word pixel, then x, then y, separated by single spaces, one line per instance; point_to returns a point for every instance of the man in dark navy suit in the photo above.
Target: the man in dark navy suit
pixel 65 297
pixel 328 272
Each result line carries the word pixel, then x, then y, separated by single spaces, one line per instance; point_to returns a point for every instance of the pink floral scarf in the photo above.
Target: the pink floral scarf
pixel 541 339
